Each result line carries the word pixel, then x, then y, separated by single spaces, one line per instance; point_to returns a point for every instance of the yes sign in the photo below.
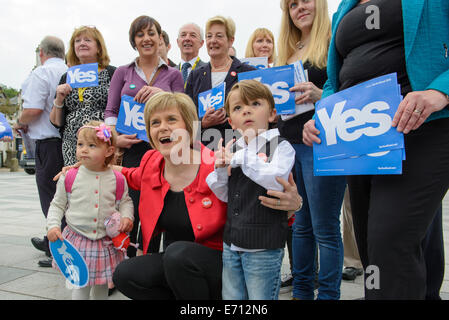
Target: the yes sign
pixel 5 128
pixel 257 62
pixel 130 118
pixel 357 121
pixel 279 80
pixel 83 75
pixel 70 262
pixel 389 162
pixel 212 98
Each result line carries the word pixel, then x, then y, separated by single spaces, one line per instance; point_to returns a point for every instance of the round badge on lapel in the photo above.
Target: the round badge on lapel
pixel 233 73
pixel 132 86
pixel 206 202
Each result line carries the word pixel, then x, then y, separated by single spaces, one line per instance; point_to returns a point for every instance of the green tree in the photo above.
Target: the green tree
pixel 10 92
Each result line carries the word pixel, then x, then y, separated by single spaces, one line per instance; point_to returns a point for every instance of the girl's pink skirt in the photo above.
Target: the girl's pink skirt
pixel 101 258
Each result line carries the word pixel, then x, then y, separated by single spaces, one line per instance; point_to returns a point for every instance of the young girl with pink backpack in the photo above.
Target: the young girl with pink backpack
pixel 88 196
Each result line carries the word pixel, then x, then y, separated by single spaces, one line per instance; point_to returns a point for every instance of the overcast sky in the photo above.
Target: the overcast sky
pixel 23 23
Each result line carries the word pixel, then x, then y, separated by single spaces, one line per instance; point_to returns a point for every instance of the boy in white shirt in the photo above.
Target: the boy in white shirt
pixel 254 236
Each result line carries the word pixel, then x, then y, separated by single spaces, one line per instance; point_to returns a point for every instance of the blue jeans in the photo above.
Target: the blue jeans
pixel 251 275
pixel 318 222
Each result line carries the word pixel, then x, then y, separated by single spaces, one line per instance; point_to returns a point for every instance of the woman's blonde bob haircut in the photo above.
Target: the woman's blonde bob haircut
pixel 165 100
pixel 260 33
pixel 320 35
pixel 102 54
pixel 228 23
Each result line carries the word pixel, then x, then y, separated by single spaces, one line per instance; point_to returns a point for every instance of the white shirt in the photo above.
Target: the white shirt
pixel 38 92
pixel 218 78
pixel 142 75
pixel 192 63
pixel 254 167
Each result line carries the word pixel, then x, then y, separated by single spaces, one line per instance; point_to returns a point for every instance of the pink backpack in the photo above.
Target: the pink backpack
pixel 119 184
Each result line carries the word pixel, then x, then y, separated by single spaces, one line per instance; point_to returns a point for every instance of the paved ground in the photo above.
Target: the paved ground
pixel 21 219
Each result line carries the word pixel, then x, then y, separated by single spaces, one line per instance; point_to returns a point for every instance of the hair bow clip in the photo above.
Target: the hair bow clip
pixel 104 133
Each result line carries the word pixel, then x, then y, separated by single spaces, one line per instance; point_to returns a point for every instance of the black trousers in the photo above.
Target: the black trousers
pixel 185 271
pixel 49 162
pixel 392 213
pixel 433 248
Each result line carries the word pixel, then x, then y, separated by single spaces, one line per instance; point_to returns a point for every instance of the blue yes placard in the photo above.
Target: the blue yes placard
pixel 388 162
pixel 256 62
pixel 71 264
pixel 212 98
pixel 5 128
pixel 279 80
pixel 130 118
pixel 83 75
pixel 357 121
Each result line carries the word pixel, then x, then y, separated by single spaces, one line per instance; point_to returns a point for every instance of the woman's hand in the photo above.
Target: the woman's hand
pixel 62 91
pixel 416 107
pixel 126 225
pixel 116 168
pixel 213 117
pixel 54 234
pixel 145 93
pixel 65 169
pixel 310 92
pixel 310 133
pixel 127 140
pixel 288 200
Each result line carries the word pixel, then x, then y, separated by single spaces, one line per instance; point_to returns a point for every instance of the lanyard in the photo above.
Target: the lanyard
pixel 81 91
pixel 193 68
pixel 194 65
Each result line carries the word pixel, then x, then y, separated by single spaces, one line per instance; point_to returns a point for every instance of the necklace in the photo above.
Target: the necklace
pixel 300 45
pixel 222 68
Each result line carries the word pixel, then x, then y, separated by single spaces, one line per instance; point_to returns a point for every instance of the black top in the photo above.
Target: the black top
pixel 175 219
pixel 362 38
pixel 292 129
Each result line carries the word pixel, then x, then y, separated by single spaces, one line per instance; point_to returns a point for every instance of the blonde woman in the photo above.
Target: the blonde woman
pixel 305 34
pixel 73 108
pixel 261 44
pixel 220 33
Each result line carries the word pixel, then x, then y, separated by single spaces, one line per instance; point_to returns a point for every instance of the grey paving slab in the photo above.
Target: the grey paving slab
pixel 21 218
pixel 15 240
pixel 14 254
pixel 6 295
pixel 10 274
pixel 39 284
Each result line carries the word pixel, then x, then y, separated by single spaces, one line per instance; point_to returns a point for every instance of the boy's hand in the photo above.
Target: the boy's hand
pixel 54 234
pixel 126 225
pixel 223 155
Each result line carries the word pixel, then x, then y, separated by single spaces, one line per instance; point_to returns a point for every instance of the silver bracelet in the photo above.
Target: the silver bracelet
pixel 56 106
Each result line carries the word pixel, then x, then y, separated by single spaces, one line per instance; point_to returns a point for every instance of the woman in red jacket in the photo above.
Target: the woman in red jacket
pixel 176 200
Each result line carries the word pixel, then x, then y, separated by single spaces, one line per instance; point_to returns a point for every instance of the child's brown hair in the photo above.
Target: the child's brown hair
pixel 251 90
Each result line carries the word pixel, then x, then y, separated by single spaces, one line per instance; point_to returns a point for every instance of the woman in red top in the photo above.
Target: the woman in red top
pixel 176 199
